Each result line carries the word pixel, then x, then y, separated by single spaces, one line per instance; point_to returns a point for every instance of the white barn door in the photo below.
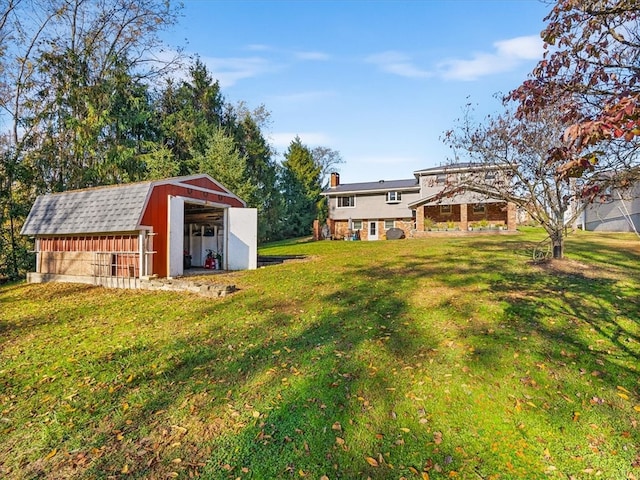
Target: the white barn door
pixel 175 248
pixel 242 239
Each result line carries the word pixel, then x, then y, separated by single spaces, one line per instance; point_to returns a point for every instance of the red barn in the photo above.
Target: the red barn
pixel 115 235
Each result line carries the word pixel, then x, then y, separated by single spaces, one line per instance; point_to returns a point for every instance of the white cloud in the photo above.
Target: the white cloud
pixel 526 48
pixel 508 54
pixel 284 139
pixel 397 63
pixel 318 56
pixel 229 70
pixel 258 47
pixel 226 70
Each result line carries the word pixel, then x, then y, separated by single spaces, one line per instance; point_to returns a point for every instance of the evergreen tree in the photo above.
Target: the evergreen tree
pixel 301 187
pixel 222 160
pixel 189 114
pixel 262 172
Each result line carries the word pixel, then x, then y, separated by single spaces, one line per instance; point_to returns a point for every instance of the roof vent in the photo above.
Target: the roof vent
pixel 380 181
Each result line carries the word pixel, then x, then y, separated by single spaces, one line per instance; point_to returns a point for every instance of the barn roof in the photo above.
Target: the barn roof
pixel 104 209
pixel 109 209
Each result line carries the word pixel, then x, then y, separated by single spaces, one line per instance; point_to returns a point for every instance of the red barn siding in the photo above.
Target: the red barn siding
pixel 204 183
pixel 90 243
pixel 156 215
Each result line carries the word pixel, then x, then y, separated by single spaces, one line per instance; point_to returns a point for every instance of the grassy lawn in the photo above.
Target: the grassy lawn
pixel 448 357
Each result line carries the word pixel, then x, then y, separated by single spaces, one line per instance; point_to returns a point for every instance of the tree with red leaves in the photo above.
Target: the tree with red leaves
pixel 592 59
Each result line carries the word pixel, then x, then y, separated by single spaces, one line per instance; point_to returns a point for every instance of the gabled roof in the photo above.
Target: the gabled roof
pixel 456 167
pixel 372 187
pixel 103 209
pixel 433 197
pixel 109 209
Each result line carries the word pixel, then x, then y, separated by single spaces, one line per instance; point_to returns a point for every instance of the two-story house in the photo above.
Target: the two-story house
pixel 429 201
pixel 369 209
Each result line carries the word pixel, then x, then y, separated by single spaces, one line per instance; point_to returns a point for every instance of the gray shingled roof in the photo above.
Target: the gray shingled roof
pixel 456 167
pixel 382 185
pixel 432 197
pixel 105 209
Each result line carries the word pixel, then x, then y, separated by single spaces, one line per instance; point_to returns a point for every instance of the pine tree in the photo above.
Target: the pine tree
pixel 301 187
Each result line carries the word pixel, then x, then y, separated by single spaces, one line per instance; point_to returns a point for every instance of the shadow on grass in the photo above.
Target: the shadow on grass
pixel 303 373
pixel 267 388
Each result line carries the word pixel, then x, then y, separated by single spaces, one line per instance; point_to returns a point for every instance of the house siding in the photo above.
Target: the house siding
pixel 614 216
pixel 420 200
pixel 373 206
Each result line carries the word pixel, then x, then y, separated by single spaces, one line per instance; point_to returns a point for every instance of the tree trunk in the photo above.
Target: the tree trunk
pixel 557 241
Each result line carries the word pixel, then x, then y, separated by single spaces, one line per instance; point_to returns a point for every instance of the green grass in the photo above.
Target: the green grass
pixel 432 358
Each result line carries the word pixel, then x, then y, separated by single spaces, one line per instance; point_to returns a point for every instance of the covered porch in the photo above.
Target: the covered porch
pixel 468 212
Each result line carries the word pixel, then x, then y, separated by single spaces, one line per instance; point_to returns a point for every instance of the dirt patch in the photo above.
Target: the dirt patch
pixel 573 267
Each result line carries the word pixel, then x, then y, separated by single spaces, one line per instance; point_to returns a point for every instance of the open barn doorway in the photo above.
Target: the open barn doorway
pixel 203 233
pixel 195 228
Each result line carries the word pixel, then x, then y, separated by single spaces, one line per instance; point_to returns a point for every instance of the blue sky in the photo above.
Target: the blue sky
pixel 378 81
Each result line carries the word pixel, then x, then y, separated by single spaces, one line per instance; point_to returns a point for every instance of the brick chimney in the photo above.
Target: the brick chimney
pixel 335 179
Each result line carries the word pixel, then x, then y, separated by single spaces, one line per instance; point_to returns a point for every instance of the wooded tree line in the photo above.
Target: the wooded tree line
pixel 85 100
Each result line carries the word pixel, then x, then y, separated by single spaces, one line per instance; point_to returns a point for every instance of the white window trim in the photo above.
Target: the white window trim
pixel 397 196
pixel 393 224
pixel 346 196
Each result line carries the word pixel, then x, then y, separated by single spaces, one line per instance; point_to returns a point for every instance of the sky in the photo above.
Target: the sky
pixel 378 81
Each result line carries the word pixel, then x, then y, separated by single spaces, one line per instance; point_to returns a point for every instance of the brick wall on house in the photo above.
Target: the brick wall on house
pixel 341 228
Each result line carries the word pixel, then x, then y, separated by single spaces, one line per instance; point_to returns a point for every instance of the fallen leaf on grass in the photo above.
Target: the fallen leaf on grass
pixel 51 454
pixel 372 461
pixel 437 437
pixel 336 426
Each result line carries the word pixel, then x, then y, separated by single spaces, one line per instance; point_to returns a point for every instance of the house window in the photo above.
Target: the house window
pixel 442 178
pixel 389 224
pixel 356 225
pixel 394 197
pixel 445 209
pixel 346 202
pixel 479 208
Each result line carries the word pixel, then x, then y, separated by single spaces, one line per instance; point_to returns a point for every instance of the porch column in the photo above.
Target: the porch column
pixel 511 216
pixel 420 218
pixel 464 222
